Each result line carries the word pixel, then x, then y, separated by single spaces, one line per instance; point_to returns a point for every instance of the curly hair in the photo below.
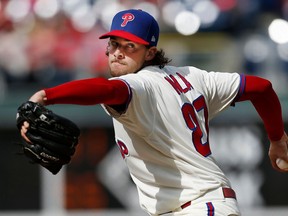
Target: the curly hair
pixel 159 59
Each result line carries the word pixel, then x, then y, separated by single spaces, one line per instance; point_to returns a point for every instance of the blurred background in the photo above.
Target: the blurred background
pixel 47 42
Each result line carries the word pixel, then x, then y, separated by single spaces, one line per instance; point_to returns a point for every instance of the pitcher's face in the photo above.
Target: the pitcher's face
pixel 126 56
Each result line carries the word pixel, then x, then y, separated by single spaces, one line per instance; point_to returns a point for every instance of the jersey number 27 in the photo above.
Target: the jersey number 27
pixel 190 113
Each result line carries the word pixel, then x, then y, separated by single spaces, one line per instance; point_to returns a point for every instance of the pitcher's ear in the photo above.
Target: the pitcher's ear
pixel 151 53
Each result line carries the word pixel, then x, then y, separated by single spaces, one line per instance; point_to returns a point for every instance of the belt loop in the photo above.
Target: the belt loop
pixel 227 193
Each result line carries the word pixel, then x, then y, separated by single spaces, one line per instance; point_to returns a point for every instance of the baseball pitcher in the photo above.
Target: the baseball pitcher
pixel 161 117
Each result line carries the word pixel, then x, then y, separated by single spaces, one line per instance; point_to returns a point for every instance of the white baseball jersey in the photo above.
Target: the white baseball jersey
pixel 163 132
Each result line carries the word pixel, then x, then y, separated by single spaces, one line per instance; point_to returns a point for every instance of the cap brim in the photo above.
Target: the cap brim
pixel 125 35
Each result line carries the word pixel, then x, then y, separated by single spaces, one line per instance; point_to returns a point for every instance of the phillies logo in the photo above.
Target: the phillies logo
pixel 123 149
pixel 127 18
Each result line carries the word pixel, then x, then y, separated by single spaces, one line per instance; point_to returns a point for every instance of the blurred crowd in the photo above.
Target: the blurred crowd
pixel 49 52
pixel 53 41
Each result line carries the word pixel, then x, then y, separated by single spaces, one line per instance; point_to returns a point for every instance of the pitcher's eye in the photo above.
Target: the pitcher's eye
pixel 113 44
pixel 130 47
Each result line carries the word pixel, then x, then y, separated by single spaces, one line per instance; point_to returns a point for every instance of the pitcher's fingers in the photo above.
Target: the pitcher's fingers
pixel 24 129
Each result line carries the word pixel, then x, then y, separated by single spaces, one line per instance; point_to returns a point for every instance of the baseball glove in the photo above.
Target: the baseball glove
pixel 53 137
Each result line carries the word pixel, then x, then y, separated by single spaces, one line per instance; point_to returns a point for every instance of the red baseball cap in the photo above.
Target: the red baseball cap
pixel 134 25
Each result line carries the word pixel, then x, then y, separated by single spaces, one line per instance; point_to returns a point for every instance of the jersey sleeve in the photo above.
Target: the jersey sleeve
pixel 142 113
pixel 221 89
pixel 141 99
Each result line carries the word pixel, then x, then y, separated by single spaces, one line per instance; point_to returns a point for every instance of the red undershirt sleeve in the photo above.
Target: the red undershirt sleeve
pixel 89 92
pixel 260 92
